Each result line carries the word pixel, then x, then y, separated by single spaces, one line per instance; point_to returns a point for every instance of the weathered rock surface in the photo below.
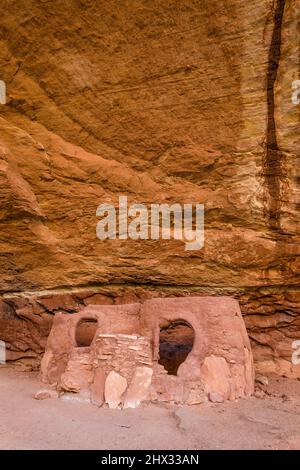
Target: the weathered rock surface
pixel 115 386
pixel 44 394
pixel 138 391
pixel 164 102
pixel 98 387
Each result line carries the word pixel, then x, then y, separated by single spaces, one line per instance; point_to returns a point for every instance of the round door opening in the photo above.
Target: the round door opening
pixel 85 332
pixel 175 343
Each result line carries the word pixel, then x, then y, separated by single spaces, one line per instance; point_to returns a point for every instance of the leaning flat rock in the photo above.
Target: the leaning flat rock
pixel 115 386
pixel 139 387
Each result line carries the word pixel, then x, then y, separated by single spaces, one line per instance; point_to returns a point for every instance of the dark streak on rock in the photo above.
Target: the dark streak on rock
pixel 273 158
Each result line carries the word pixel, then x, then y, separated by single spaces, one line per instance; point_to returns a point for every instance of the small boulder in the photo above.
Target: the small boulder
pixel 261 379
pixel 259 394
pixel 44 394
pixel 215 397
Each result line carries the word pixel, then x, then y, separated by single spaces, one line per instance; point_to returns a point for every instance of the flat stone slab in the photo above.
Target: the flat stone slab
pixel 139 388
pixel 115 386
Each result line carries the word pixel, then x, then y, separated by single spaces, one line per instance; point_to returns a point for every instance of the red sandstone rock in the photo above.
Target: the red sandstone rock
pixel 97 387
pixel 45 394
pixel 115 386
pixel 215 374
pixel 138 390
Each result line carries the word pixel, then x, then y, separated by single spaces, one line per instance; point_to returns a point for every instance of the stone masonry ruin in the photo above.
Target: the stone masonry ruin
pixel 177 350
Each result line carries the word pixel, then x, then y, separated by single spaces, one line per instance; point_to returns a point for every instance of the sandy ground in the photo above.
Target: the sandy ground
pixel 272 422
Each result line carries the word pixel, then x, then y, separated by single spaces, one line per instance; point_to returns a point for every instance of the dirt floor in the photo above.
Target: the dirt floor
pixel 271 422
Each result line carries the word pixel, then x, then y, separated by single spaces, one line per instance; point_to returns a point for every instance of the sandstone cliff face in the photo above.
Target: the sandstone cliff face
pixel 164 102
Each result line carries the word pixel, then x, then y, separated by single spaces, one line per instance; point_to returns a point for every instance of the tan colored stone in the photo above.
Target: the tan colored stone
pixel 138 390
pixel 115 386
pixel 216 376
pixel 262 379
pixel 216 397
pixel 45 394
